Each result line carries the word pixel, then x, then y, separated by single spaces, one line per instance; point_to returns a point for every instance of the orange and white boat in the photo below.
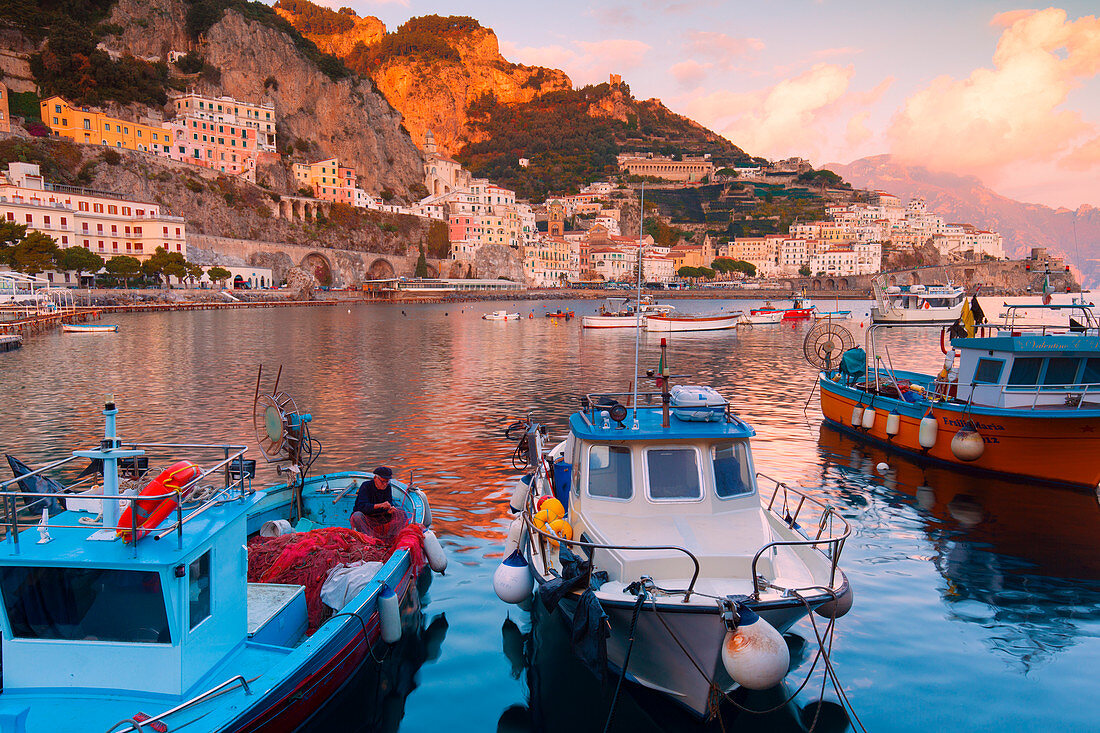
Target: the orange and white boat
pixel 1023 401
pixel 673 323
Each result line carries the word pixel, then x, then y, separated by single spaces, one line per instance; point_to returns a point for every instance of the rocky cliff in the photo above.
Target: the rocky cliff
pixel 432 82
pixel 322 116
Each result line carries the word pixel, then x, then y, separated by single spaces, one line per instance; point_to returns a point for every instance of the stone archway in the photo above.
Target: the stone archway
pixel 433 271
pixel 817 284
pixel 318 266
pixel 893 280
pixel 844 283
pixel 830 284
pixel 786 284
pixel 914 277
pixel 380 269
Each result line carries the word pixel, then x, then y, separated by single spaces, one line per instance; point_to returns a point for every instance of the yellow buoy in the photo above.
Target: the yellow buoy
pixel 553 506
pixel 542 518
pixel 562 529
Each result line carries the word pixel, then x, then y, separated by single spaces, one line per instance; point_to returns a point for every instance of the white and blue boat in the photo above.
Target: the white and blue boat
pixel 696 569
pixel 150 623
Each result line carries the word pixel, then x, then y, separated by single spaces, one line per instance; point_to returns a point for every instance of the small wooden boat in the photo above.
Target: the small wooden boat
pixel 668 323
pixel 762 318
pixel 500 316
pixel 832 315
pixel 10 342
pixel 798 311
pixel 620 313
pixel 89 327
pixel 559 313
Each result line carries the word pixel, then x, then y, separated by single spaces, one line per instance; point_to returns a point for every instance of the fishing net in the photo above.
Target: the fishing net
pixel 305 558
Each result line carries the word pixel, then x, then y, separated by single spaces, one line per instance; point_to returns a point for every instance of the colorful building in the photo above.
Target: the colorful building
pixel 105 223
pixel 91 127
pixel 329 180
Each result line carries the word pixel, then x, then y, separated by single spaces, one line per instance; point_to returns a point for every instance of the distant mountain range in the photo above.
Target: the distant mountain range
pixel 964 199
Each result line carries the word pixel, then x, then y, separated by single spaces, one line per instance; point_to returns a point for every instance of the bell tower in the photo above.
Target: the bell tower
pixel 556 225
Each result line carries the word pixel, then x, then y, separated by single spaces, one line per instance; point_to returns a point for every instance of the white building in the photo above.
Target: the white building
pixel 852 259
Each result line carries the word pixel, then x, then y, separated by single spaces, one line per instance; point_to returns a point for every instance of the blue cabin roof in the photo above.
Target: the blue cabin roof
pixel 649 427
pixel 1075 343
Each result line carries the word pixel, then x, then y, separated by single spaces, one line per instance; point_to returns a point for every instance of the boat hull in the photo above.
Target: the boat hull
pixel 96 328
pixel 1052 446
pixel 916 316
pixel 657 660
pixel 667 324
pixel 611 321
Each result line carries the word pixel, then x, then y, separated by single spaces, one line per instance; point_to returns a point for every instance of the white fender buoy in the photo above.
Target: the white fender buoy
pixel 857 416
pixel 427 508
pixel 893 423
pixel 882 467
pixel 519 494
pixel 512 579
pixel 929 427
pixel 389 614
pixel 838 606
pixel 437 559
pixel 868 421
pixel 755 654
pixel 515 532
pixel 967 445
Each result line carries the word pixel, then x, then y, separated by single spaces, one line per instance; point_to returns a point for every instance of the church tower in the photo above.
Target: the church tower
pixel 429 144
pixel 556 225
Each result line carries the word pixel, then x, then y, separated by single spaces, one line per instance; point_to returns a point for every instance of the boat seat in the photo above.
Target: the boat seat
pixel 276 613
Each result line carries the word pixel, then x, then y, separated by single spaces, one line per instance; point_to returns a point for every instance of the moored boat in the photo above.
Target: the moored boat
pixel 150 620
pixel 500 316
pixel 916 303
pixel 761 317
pixel 89 327
pixel 656 520
pixel 669 323
pixel 560 314
pixel 798 310
pixel 1023 401
pixel 620 313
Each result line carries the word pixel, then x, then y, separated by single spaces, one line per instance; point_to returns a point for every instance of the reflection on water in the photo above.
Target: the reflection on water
pixel 1018 560
pixel 966 588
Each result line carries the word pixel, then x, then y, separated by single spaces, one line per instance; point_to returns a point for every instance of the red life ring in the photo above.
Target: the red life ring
pixel 943 340
pixel 151 513
pixel 927 304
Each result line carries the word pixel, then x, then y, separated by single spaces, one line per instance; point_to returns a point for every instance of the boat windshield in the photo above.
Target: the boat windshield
pixel 732 469
pixel 89 604
pixel 673 473
pixel 609 474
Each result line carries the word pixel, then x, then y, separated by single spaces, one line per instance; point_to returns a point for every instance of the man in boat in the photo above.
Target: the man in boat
pixel 374 512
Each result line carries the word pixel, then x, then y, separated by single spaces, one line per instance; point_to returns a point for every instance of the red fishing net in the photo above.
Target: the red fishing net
pixel 305 558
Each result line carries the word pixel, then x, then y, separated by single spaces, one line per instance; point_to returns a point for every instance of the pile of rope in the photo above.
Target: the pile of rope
pixel 305 558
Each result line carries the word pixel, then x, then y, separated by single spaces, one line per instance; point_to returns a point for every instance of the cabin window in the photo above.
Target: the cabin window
pixel 85 604
pixel 609 473
pixel 1061 371
pixel 1091 372
pixel 988 371
pixel 673 473
pixel 1025 371
pixel 732 470
pixel 198 589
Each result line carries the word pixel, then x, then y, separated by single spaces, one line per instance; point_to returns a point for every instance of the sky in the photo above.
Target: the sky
pixel 1006 93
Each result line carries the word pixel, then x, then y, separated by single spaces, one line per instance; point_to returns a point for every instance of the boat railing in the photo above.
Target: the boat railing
pixel 139 725
pixel 547 538
pixel 232 488
pixel 828 537
pixel 591 407
pixel 1074 394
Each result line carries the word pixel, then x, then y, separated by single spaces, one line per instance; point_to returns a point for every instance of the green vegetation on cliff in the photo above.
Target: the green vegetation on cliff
pixel 570 141
pixel 423 38
pixel 316 19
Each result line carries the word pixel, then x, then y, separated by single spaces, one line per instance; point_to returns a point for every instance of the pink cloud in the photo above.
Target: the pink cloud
pixel 720 47
pixel 586 62
pixel 1011 113
pixel 689 73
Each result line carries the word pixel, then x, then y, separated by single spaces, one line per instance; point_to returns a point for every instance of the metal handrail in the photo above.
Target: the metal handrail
pixel 138 726
pixel 600 546
pixel 835 543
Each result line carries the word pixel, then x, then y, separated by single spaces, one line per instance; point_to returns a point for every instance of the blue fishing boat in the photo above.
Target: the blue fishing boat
pixel 134 611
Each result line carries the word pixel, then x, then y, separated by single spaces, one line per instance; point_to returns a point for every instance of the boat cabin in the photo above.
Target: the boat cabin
pixel 1017 366
pixel 918 297
pixel 691 484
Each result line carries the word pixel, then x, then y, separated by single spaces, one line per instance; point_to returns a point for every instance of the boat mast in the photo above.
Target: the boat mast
pixel 638 305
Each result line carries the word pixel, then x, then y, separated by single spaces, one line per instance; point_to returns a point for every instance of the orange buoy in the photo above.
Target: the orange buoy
pixel 152 512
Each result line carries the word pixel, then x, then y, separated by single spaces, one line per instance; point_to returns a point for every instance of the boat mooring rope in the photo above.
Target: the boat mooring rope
pixel 823 651
pixel 626 660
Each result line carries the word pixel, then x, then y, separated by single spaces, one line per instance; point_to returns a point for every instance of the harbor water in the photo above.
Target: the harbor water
pixel 977 600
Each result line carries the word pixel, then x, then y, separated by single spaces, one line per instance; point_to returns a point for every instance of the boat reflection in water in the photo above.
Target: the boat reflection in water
pixel 1018 559
pixel 566 697
pixel 373 701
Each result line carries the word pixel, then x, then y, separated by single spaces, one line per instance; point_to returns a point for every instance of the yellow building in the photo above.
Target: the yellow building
pixel 85 125
pixel 329 180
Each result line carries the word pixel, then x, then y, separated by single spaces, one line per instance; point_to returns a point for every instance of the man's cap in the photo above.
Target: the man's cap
pixel 383 471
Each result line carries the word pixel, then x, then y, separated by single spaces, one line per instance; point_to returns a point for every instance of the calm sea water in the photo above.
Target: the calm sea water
pixel 977 600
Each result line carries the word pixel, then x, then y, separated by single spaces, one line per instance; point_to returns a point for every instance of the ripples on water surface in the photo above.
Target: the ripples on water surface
pixel 977 600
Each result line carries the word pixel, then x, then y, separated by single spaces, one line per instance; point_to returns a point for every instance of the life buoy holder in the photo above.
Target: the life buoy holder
pixel 151 512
